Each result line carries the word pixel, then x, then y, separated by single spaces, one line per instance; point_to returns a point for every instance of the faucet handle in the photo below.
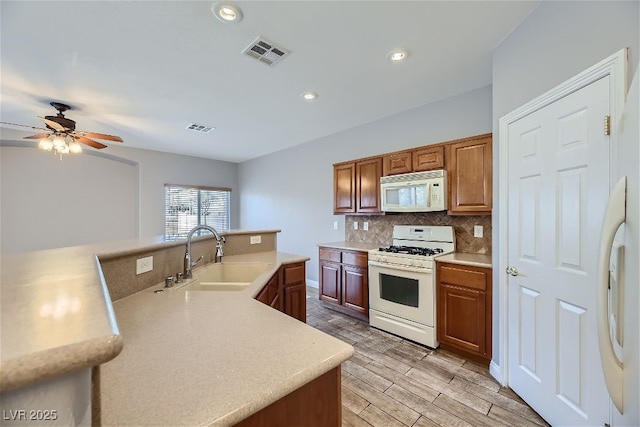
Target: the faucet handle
pixel 168 282
pixel 197 261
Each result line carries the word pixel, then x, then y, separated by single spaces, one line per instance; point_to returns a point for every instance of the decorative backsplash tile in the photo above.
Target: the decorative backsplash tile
pixel 381 228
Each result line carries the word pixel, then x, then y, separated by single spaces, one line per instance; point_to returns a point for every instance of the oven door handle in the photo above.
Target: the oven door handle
pixel 401 267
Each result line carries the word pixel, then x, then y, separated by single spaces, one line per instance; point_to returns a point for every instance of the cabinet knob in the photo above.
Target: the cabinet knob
pixel 512 271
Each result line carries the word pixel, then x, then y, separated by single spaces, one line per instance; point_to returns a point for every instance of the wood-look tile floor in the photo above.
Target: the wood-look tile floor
pixel 390 381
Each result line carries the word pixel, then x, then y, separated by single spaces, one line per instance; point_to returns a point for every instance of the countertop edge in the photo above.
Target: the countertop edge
pixel 48 364
pixel 472 260
pixel 292 385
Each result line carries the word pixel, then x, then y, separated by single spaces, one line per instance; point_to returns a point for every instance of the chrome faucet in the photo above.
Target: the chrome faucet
pixel 187 256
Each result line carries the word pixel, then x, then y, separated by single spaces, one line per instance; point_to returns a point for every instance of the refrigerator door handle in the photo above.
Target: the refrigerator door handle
pixel 614 216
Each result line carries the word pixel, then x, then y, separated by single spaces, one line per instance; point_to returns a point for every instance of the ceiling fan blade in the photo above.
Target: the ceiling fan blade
pixel 22 126
pixel 53 125
pixel 89 142
pixel 37 136
pixel 99 136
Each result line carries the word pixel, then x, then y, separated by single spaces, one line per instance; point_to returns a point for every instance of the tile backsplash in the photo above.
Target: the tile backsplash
pixel 381 228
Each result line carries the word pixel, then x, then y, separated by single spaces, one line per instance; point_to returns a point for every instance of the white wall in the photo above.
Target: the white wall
pixel 114 194
pixel 293 189
pixel 556 41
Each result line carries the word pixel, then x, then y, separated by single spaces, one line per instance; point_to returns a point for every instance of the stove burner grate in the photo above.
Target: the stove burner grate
pixel 412 250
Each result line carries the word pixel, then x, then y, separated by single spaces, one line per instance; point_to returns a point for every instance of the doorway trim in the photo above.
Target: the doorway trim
pixel 615 66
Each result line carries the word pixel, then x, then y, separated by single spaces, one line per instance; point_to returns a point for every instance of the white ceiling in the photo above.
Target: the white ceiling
pixel 144 70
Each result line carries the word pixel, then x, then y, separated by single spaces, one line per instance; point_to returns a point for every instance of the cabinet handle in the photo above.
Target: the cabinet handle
pixel 512 271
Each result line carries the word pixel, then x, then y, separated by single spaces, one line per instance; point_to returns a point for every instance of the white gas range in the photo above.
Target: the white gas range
pixel 402 281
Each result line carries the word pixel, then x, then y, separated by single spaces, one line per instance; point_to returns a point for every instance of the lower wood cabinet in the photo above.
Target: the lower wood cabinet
pixel 344 281
pixel 316 404
pixel 286 291
pixel 464 310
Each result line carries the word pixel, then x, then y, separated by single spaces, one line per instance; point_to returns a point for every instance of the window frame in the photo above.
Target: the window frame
pixel 181 233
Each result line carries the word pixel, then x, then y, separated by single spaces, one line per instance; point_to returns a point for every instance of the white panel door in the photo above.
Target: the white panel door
pixel 558 187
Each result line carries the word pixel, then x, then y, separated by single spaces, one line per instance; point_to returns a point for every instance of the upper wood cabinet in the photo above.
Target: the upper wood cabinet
pixel 469 166
pixel 418 160
pixel 356 186
pixel 428 158
pixel 344 188
pixel 397 163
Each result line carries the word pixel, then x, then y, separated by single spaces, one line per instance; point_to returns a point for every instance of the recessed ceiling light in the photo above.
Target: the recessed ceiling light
pixel 398 55
pixel 309 96
pixel 227 12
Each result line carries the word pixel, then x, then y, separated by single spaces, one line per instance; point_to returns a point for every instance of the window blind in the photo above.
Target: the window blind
pixel 188 206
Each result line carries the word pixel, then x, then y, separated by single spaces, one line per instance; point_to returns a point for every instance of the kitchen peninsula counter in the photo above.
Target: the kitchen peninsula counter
pixel 183 358
pixel 210 357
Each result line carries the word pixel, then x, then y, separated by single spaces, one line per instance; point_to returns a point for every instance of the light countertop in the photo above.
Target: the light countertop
pixel 188 358
pixel 210 358
pixel 56 315
pixel 474 260
pixel 350 246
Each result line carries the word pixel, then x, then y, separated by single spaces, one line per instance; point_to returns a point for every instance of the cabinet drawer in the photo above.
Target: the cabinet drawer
pixel 330 255
pixel 469 277
pixel 355 258
pixel 294 274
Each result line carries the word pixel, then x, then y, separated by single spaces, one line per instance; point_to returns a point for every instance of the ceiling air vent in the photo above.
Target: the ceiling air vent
pixel 265 51
pixel 200 128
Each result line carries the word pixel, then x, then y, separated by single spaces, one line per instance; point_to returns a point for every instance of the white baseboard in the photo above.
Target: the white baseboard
pixel 496 372
pixel 313 283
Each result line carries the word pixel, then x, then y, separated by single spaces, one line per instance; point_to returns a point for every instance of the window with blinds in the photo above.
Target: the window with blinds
pixel 188 206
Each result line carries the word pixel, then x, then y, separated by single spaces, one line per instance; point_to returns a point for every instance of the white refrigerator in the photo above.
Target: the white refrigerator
pixel 619 272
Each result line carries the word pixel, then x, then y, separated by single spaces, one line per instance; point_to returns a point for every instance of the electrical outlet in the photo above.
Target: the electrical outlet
pixel 255 240
pixel 335 225
pixel 478 231
pixel 365 226
pixel 144 264
pixel 355 225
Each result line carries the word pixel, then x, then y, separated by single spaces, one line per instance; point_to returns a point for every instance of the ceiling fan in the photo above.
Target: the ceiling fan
pixel 62 135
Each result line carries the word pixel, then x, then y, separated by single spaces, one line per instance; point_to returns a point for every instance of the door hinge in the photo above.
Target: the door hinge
pixel 607 125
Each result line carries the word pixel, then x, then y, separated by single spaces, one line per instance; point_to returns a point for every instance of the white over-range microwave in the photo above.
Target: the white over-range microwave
pixel 414 192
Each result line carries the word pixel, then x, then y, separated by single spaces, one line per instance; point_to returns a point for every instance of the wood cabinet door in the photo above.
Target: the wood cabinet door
pixel 273 292
pixel 397 163
pixel 355 289
pixel 368 173
pixel 428 158
pixel 469 164
pixel 461 318
pixel 330 282
pixel 295 301
pixel 344 188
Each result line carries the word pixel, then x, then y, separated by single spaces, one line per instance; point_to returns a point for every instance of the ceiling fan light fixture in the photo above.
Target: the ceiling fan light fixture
pixel 75 148
pixel 45 144
pixel 59 142
pixel 227 12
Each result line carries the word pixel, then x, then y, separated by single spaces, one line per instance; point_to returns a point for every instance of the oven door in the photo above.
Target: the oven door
pixel 402 291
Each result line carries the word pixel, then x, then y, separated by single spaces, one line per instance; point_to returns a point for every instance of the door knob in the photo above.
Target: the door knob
pixel 512 271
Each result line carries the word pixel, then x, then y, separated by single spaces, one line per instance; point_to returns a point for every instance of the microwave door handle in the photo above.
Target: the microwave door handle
pixel 429 195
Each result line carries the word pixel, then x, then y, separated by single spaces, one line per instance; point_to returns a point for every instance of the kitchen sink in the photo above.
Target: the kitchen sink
pixel 226 276
pixel 217 286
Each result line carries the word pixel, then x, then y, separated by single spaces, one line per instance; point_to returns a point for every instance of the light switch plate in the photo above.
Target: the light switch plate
pixel 335 225
pixel 254 240
pixel 144 265
pixel 355 225
pixel 478 231
pixel 365 226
